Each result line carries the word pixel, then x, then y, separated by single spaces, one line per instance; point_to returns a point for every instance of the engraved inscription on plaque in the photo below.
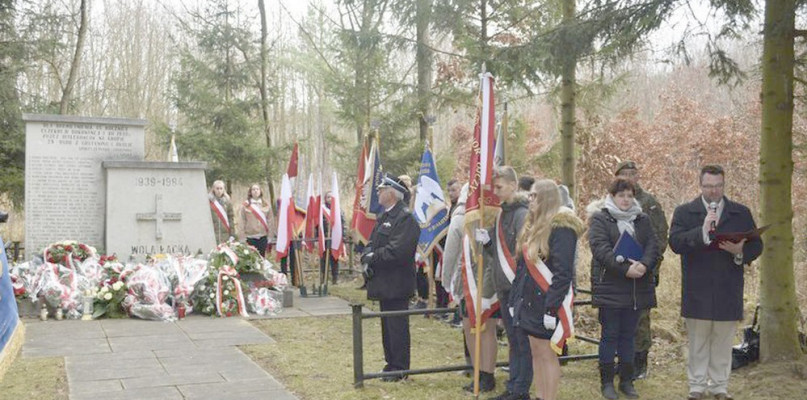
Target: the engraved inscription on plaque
pixel 65 193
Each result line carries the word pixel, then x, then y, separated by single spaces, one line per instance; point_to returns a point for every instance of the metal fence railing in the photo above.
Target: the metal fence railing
pixel 359 315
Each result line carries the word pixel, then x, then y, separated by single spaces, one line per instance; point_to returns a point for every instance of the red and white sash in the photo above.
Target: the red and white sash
pixel 258 213
pixel 220 212
pixel 489 305
pixel 506 261
pixel 541 274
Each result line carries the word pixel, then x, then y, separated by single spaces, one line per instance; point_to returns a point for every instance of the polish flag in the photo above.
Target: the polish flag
pixel 284 219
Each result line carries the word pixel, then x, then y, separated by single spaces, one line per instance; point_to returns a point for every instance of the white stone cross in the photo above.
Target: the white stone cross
pixel 159 216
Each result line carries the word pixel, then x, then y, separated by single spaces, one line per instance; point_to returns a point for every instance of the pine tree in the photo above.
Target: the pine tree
pixel 12 136
pixel 216 97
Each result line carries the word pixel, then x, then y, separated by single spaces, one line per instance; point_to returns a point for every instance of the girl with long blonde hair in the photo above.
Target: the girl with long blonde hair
pixel 549 237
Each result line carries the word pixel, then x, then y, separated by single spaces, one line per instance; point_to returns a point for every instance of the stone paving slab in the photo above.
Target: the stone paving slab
pixel 195 358
pixel 156 393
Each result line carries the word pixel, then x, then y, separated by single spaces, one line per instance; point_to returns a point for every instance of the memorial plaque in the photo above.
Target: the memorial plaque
pixel 64 183
pixel 157 207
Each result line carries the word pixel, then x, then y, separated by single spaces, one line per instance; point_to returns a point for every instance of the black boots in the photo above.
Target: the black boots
pixel 486 383
pixel 626 380
pixel 607 381
pixel 640 365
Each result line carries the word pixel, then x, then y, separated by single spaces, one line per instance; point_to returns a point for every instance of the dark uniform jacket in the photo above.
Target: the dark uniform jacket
pixel 711 283
pixel 658 220
pixel 393 243
pixel 609 285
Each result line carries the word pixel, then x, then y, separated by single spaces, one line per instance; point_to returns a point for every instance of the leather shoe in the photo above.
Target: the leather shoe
pixel 723 396
pixel 393 378
pixel 695 396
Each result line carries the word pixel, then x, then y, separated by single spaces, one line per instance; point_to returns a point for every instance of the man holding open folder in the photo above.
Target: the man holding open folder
pixel 712 278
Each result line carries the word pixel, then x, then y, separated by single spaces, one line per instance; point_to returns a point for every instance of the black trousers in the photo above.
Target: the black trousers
pixel 259 243
pixel 422 284
pixel 395 335
pixel 288 263
pixel 334 269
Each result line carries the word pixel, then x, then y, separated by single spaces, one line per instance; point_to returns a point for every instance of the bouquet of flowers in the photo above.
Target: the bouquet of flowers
pixel 109 299
pixel 243 257
pixel 187 271
pixel 220 293
pixel 149 290
pixel 264 301
pixel 23 278
pixel 67 251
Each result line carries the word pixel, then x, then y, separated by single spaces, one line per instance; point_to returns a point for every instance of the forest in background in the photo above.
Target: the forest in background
pixel 249 78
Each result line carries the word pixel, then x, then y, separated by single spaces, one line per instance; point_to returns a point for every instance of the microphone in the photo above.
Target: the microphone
pixel 713 207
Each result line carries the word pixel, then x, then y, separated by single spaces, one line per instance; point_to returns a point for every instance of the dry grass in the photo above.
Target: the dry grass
pixel 35 378
pixel 313 356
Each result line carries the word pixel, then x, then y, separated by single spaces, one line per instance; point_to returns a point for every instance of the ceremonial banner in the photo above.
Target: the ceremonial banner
pixel 370 207
pixel 284 219
pixel 480 182
pixel 430 210
pixel 337 244
pixel 8 313
pixel 358 187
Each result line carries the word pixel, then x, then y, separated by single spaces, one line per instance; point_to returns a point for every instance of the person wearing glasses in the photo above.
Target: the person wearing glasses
pixel 712 280
pixel 541 291
pixel 621 287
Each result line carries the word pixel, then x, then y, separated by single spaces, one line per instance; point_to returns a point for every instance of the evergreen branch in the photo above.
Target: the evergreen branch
pixel 309 37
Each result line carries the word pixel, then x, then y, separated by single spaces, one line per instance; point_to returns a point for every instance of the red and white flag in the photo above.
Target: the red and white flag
pixel 320 219
pixel 284 219
pixel 311 215
pixel 337 244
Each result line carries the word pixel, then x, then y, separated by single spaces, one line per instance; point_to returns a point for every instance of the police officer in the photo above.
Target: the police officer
pixel 628 170
pixel 389 266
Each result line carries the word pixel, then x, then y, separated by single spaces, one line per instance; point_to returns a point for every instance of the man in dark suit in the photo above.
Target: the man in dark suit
pixel 712 280
pixel 389 260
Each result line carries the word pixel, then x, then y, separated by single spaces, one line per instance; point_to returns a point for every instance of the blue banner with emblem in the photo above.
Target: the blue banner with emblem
pixel 8 304
pixel 430 209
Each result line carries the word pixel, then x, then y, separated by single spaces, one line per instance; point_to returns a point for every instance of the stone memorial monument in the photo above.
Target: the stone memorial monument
pixel 157 207
pixel 65 191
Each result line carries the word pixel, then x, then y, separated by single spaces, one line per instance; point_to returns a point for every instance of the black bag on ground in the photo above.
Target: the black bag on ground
pixel 747 351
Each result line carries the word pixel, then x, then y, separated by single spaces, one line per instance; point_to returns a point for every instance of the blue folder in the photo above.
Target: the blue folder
pixel 628 247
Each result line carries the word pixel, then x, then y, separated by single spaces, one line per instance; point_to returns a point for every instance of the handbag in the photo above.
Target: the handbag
pixel 747 351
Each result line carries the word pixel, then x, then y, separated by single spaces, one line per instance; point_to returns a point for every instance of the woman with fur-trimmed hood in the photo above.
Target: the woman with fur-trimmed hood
pixel 546 253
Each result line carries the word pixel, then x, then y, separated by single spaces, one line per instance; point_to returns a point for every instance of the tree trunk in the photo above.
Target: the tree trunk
pixel 567 110
pixel 267 128
pixel 779 313
pixel 67 91
pixel 424 61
